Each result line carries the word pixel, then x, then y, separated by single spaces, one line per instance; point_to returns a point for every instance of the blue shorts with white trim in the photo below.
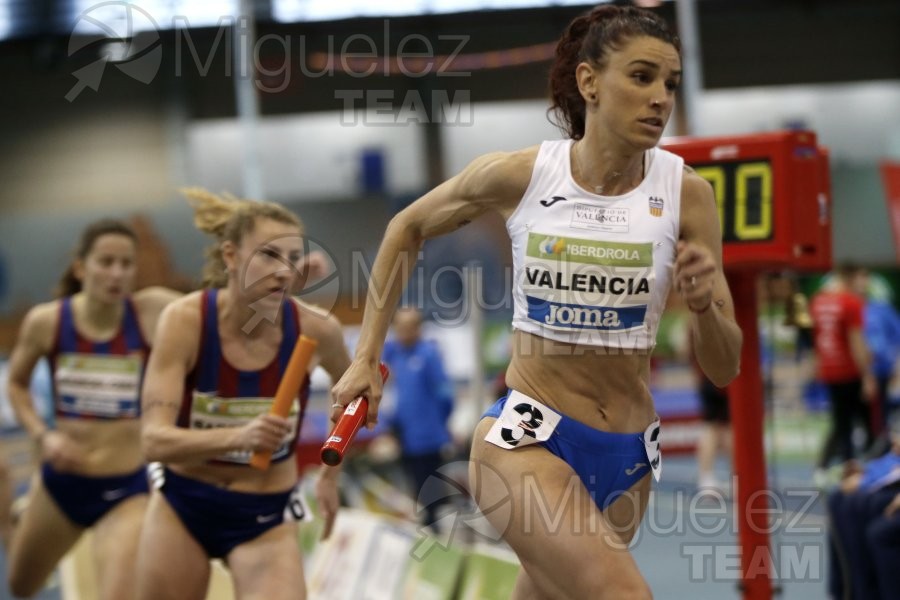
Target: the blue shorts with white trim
pixel 608 464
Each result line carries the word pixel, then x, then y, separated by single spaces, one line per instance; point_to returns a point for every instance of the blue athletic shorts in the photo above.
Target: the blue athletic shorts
pixel 84 500
pixel 221 519
pixel 608 464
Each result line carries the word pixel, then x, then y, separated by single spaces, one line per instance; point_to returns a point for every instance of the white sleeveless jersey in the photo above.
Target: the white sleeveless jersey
pixel 592 269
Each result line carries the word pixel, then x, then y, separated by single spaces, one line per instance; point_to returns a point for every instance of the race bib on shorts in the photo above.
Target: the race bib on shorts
pixel 156 475
pixel 654 454
pixel 99 385
pixel 297 508
pixel 209 411
pixel 522 422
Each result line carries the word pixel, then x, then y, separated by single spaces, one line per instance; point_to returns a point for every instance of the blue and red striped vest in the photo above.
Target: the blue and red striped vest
pixel 219 395
pixel 98 380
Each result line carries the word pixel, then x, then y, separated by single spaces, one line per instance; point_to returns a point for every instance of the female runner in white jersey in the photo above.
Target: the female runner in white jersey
pixel 602 225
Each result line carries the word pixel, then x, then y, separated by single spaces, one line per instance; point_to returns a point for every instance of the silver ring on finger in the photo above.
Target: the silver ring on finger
pixel 337 405
pixel 693 281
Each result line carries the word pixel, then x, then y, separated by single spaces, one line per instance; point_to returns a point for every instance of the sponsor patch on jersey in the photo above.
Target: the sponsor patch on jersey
pixel 600 218
pixel 572 283
pixel 209 411
pixel 99 385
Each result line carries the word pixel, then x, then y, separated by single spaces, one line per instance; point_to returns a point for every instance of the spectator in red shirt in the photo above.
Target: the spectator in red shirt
pixel 843 362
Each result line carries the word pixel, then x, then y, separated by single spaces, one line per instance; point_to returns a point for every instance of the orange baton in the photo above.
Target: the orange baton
pixel 287 390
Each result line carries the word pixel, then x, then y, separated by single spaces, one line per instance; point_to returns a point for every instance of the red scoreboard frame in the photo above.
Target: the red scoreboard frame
pixel 773 194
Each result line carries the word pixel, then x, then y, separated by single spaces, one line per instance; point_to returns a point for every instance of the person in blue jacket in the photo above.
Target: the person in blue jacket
pixel 881 328
pixel 423 406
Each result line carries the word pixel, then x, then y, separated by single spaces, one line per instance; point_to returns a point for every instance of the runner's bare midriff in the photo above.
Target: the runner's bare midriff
pixel 605 388
pixel 110 447
pixel 279 477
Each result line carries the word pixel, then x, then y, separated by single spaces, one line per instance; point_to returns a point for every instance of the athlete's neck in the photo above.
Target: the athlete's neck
pixel 604 169
pixel 250 319
pixel 97 315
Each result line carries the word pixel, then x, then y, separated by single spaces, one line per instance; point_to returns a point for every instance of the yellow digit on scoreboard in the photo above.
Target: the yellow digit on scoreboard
pixel 772 193
pixel 743 175
pixel 715 175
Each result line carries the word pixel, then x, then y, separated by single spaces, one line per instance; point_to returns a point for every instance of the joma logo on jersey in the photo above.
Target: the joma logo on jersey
pixel 553 200
pixel 580 316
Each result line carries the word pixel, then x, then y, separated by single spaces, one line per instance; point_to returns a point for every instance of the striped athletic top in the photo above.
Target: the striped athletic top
pixel 219 395
pixel 98 380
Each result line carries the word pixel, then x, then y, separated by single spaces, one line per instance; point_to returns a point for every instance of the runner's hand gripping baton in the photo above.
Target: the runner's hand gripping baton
pixel 287 390
pixel 350 422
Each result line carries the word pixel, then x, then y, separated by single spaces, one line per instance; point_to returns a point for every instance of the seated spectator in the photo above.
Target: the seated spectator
pixel 860 527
